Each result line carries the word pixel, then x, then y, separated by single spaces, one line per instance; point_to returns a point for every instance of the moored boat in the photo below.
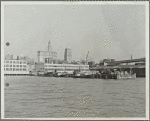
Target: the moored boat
pixel 48 74
pixel 78 75
pixel 40 73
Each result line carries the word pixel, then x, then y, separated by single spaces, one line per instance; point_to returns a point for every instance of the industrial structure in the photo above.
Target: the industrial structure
pixel 135 65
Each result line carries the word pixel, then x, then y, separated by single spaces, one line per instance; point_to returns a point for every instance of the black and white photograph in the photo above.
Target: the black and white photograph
pixel 75 60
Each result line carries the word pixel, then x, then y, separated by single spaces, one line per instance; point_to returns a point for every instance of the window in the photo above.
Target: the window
pixel 7 61
pixel 24 66
pixel 20 69
pixel 10 61
pixel 7 69
pixel 7 65
pixel 10 69
pixel 20 65
pixel 24 62
pixel 24 69
pixel 13 69
pixel 4 69
pixel 10 65
pixel 17 69
pixel 14 62
pixel 13 65
pixel 20 62
pixel 17 65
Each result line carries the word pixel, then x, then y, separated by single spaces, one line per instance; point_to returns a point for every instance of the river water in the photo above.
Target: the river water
pixel 58 97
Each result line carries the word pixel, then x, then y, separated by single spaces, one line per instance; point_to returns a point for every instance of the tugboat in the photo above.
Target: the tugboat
pixel 58 74
pixel 63 74
pixel 88 75
pixel 70 74
pixel 48 74
pixel 77 74
pixel 40 73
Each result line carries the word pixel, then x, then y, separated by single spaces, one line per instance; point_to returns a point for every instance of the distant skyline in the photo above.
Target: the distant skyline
pixel 106 31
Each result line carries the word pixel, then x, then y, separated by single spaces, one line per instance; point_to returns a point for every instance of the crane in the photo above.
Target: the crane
pixel 87 57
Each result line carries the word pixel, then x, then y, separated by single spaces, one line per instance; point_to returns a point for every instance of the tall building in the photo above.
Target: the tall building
pixel 68 55
pixel 47 56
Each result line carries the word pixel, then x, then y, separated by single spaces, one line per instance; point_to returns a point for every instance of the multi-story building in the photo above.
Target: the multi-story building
pixel 46 56
pixel 65 67
pixel 68 55
pixel 15 67
pixel 46 67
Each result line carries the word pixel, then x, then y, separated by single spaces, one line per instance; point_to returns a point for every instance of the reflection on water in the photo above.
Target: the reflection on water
pixel 51 97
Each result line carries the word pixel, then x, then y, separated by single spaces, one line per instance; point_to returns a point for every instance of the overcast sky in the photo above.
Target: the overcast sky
pixel 106 31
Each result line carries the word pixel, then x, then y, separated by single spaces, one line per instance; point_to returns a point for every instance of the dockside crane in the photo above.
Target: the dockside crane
pixel 87 57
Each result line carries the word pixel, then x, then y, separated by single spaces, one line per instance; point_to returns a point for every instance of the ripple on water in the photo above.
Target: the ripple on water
pixel 36 97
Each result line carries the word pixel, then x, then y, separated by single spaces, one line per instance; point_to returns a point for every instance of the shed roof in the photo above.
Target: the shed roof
pixel 119 66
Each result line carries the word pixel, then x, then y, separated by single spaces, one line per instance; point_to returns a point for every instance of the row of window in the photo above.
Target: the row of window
pixel 15 66
pixel 63 69
pixel 66 66
pixel 18 62
pixel 15 69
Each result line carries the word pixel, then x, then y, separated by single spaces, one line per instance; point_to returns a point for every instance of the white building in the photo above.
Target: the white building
pixel 65 67
pixel 15 67
pixel 46 56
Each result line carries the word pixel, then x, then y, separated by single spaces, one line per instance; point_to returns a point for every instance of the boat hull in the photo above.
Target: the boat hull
pixel 89 76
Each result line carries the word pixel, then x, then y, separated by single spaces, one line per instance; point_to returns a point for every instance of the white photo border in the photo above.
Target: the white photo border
pixel 146 3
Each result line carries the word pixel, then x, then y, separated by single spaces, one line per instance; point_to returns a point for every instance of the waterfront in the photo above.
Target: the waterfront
pixel 51 97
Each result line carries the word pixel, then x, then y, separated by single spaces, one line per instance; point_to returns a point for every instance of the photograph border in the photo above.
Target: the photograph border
pixel 146 3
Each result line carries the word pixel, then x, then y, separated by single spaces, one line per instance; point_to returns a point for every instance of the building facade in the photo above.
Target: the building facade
pixel 68 55
pixel 65 67
pixel 15 67
pixel 47 56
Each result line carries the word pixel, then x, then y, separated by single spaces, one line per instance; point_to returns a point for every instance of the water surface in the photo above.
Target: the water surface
pixel 55 97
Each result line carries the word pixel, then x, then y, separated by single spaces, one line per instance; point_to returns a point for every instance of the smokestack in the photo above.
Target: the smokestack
pixel 131 57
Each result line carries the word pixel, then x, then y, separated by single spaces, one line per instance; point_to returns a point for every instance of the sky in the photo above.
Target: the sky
pixel 106 31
